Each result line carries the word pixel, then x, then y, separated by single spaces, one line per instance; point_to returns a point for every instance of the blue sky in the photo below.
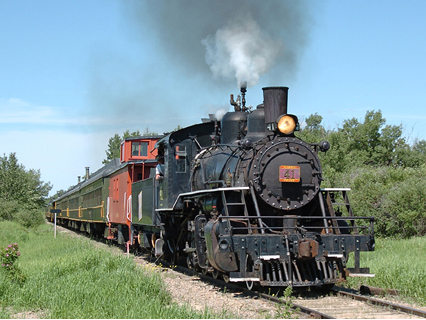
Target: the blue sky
pixel 74 73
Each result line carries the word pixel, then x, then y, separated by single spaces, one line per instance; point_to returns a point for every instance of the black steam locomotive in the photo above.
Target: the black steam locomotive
pixel 241 198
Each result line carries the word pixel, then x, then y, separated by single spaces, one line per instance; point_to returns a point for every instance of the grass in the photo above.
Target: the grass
pixel 397 264
pixel 70 278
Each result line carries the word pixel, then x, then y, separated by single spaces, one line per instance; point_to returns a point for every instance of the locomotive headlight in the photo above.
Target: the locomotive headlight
pixel 287 123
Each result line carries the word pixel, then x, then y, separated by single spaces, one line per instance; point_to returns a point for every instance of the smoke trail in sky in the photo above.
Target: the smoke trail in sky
pixel 250 34
pixel 165 71
pixel 241 49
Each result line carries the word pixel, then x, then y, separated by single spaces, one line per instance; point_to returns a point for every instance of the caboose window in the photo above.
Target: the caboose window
pixel 135 148
pixel 122 152
pixel 180 156
pixel 139 149
pixel 144 149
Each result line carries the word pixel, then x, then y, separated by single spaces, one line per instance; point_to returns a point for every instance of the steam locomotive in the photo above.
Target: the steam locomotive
pixel 240 198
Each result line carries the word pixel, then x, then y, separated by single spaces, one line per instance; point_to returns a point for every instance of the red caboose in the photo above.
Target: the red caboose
pixel 137 158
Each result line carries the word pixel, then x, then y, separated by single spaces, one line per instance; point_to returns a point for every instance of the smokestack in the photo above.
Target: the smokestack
pixel 275 103
pixel 79 179
pixel 87 173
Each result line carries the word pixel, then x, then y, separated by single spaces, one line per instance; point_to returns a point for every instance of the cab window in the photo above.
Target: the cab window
pixel 180 156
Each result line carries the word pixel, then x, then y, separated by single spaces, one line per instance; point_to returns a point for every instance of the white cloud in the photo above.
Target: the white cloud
pixel 18 111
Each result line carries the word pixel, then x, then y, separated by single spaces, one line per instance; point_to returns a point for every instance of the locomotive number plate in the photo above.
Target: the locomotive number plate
pixel 289 174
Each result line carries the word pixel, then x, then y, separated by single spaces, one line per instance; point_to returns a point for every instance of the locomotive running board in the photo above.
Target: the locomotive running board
pixel 362 275
pixel 270 257
pixel 362 272
pixel 243 276
pixel 198 192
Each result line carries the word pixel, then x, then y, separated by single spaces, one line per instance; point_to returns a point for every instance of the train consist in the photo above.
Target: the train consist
pixel 239 198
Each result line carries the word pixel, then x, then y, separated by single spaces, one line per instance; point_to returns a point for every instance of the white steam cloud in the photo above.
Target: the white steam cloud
pixel 242 50
pixel 220 113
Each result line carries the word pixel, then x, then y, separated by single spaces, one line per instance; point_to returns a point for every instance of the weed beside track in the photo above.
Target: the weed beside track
pixel 71 278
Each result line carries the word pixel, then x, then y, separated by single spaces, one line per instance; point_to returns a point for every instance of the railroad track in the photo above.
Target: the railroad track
pixel 340 303
pixel 349 305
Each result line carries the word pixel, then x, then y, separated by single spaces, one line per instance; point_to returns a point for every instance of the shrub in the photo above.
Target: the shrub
pixel 405 209
pixel 395 197
pixel 8 257
pixel 8 209
pixel 29 217
pixel 24 214
pixel 22 193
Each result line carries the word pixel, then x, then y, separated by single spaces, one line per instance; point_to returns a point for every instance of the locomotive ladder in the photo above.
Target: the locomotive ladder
pixel 227 205
pixel 330 208
pixel 326 193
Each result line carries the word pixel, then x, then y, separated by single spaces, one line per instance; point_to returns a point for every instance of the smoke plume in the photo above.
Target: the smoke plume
pixel 239 39
pixel 186 55
pixel 242 50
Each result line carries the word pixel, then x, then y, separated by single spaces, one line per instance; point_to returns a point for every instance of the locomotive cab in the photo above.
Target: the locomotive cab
pixel 178 150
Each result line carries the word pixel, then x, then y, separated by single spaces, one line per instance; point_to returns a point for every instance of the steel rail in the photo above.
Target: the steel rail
pixel 311 312
pixel 382 303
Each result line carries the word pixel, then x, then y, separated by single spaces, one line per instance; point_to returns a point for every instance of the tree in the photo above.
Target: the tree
pixel 416 155
pixel 313 132
pixel 369 143
pixel 149 133
pixel 22 193
pixel 113 150
pixel 58 194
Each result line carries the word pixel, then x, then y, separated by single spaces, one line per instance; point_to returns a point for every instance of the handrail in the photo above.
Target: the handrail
pixel 81 209
pixel 84 209
pixel 263 226
pixel 297 217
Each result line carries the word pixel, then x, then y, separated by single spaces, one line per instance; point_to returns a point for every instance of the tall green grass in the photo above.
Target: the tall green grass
pixel 397 264
pixel 70 278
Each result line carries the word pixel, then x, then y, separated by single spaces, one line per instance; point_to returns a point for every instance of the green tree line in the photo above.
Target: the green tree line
pixel 22 192
pixel 385 173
